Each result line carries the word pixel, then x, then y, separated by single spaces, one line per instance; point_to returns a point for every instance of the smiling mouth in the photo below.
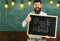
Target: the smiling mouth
pixel 37 8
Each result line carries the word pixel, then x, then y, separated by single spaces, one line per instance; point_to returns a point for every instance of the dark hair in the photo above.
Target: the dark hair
pixel 37 1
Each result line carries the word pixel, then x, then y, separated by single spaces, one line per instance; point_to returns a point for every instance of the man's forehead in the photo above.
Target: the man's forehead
pixel 37 3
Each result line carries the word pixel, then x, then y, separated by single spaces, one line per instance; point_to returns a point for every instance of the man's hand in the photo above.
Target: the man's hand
pixel 47 37
pixel 28 19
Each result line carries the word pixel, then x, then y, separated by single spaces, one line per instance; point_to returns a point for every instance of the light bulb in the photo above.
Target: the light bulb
pixel 51 2
pixel 57 4
pixel 29 3
pixel 6 6
pixel 12 3
pixel 21 5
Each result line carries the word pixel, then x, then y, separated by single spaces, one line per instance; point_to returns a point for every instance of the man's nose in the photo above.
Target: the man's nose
pixel 36 5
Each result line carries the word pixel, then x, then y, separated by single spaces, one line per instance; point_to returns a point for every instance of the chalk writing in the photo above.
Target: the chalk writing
pixel 41 26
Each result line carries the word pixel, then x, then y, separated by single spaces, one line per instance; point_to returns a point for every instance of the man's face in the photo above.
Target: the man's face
pixel 37 7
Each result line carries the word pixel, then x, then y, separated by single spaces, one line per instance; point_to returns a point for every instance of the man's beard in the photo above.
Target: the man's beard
pixel 37 11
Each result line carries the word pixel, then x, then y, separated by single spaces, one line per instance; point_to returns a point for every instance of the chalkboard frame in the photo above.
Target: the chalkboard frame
pixel 42 35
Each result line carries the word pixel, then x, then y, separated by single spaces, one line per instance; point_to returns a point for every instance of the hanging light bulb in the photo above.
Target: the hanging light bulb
pixel 6 5
pixel 22 5
pixel 13 3
pixel 29 3
pixel 58 4
pixel 51 1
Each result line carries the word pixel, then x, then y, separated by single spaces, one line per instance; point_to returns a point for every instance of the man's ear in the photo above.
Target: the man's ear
pixel 41 5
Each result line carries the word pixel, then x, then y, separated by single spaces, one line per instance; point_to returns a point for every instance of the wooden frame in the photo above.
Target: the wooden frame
pixel 44 35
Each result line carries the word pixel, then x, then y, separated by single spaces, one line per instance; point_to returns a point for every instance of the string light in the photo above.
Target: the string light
pixel 29 3
pixel 13 3
pixel 51 1
pixel 6 5
pixel 58 4
pixel 22 5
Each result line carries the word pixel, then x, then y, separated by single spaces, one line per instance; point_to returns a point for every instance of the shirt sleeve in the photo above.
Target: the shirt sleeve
pixel 24 23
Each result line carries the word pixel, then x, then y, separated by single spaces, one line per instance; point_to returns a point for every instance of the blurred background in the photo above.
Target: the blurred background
pixel 13 12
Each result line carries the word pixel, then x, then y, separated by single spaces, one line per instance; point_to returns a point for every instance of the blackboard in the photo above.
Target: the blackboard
pixel 42 25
